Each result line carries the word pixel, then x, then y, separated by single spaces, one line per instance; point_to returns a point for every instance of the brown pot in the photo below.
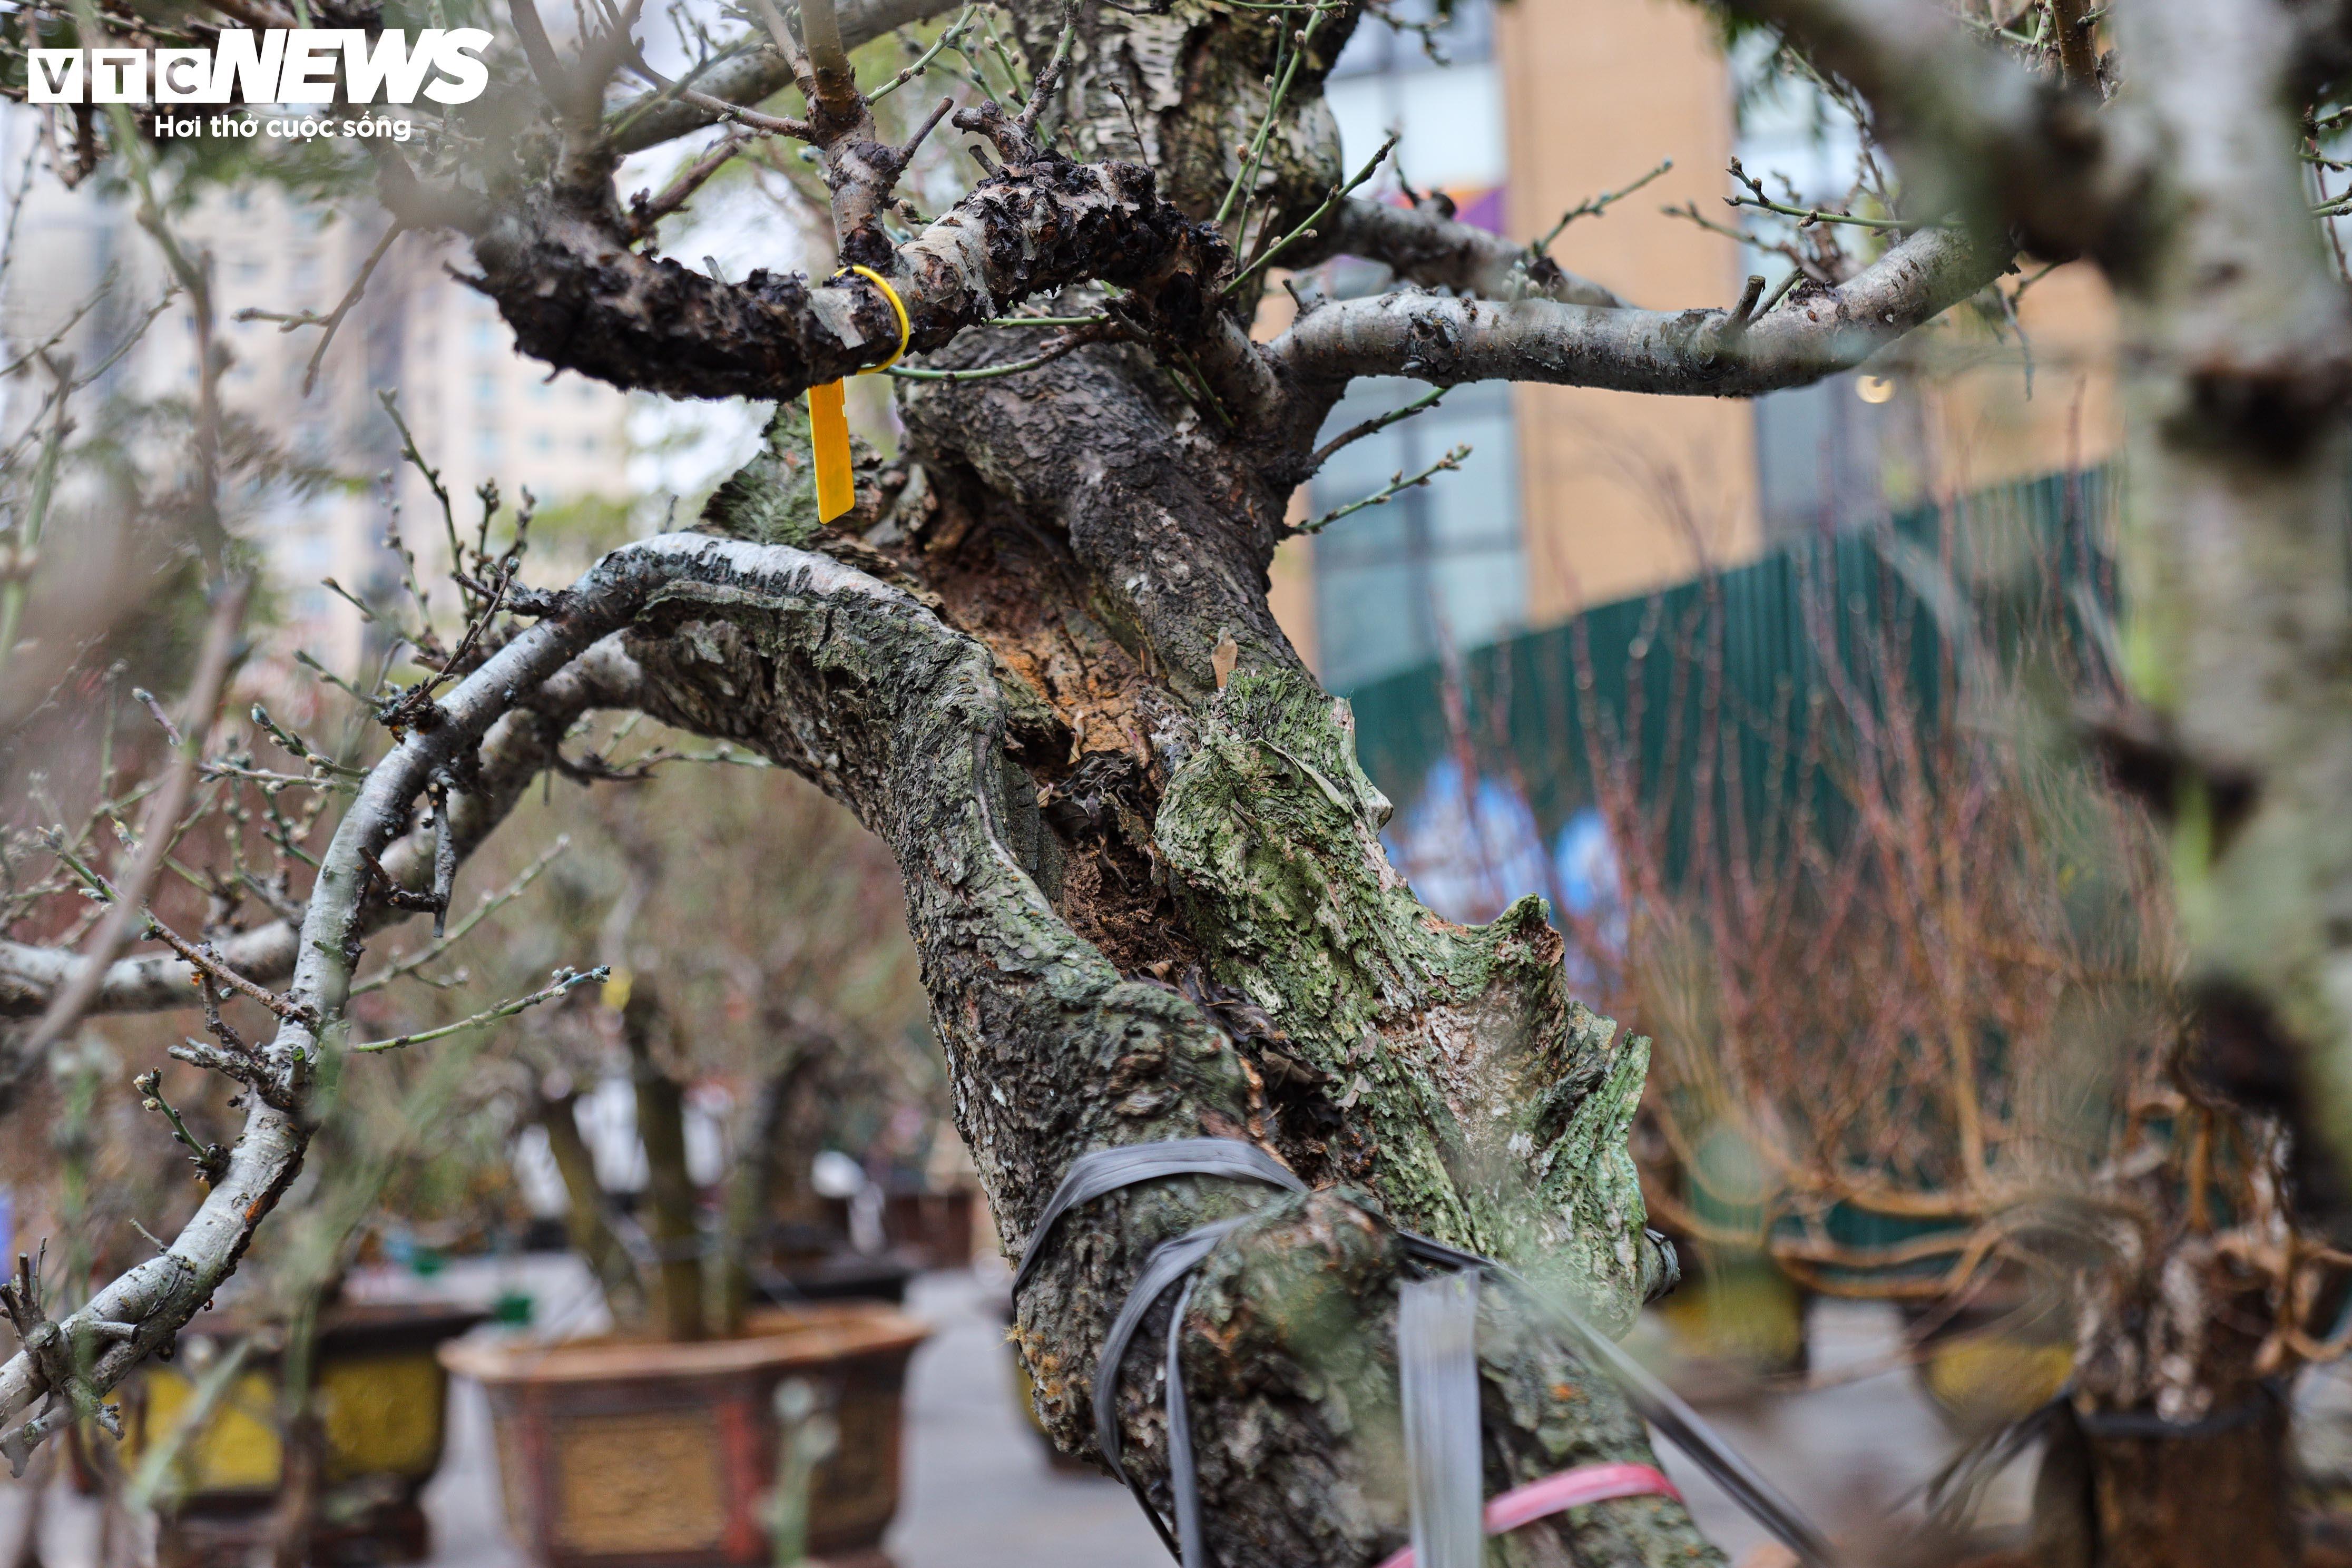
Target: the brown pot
pixel 662 1455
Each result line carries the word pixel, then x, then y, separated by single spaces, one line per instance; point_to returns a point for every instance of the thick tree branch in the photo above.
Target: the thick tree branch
pixel 563 277
pixel 130 1318
pixel 918 727
pixel 1690 352
pixel 144 1308
pixel 1053 1052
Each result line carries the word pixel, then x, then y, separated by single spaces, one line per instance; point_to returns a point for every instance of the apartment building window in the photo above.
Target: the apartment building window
pixel 1395 582
pixel 1451 116
pixel 1822 451
pixel 1821 454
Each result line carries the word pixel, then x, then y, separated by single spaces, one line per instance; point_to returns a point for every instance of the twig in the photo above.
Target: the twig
pixel 490 903
pixel 1375 425
pixel 1807 216
pixel 334 318
pixel 354 600
pixel 156 824
pixel 1043 85
pixel 1306 230
pixel 211 1159
pixel 1736 323
pixel 1593 206
pixel 564 981
pixel 200 956
pixel 1250 163
pixel 146 699
pixel 906 154
pixel 1389 492
pixel 922 62
pixel 646 212
pixel 291 742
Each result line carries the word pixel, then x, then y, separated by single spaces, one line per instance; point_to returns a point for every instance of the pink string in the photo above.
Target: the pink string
pixel 1558 1494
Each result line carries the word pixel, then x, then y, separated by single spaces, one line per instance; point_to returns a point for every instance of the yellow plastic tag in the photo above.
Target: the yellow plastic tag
pixel 829 412
pixel 829 435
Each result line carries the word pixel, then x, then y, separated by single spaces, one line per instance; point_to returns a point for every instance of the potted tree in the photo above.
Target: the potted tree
pixel 726 1406
pixel 663 1440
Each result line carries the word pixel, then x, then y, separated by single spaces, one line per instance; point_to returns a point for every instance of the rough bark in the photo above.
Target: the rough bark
pixel 1706 353
pixel 2173 1444
pixel 2172 1502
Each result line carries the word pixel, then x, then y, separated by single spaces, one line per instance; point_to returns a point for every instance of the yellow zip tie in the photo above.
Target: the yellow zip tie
pixel 898 306
pixel 829 414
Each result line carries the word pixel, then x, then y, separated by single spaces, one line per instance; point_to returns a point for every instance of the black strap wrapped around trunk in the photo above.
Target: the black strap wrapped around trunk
pixel 1436 1358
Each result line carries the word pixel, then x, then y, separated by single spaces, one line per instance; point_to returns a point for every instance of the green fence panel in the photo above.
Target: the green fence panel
pixel 1744 660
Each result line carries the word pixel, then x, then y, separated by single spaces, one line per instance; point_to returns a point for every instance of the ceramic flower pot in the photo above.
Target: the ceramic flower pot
pixel 665 1454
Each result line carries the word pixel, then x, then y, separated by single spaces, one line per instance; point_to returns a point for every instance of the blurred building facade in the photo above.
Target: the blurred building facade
pixel 478 410
pixel 1574 496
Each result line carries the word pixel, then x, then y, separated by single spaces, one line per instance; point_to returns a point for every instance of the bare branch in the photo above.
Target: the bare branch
pixel 518 750
pixel 579 301
pixel 2005 143
pixel 1688 352
pixel 758 75
pixel 1398 484
pixel 126 1320
pixel 1593 206
pixel 565 981
pixel 1374 426
pixel 162 818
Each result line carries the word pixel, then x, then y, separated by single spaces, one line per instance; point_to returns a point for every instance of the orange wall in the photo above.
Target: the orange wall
pixel 1621 492
pixel 1987 427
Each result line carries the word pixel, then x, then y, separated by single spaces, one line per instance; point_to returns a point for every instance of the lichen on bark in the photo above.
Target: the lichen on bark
pixel 1472 1094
